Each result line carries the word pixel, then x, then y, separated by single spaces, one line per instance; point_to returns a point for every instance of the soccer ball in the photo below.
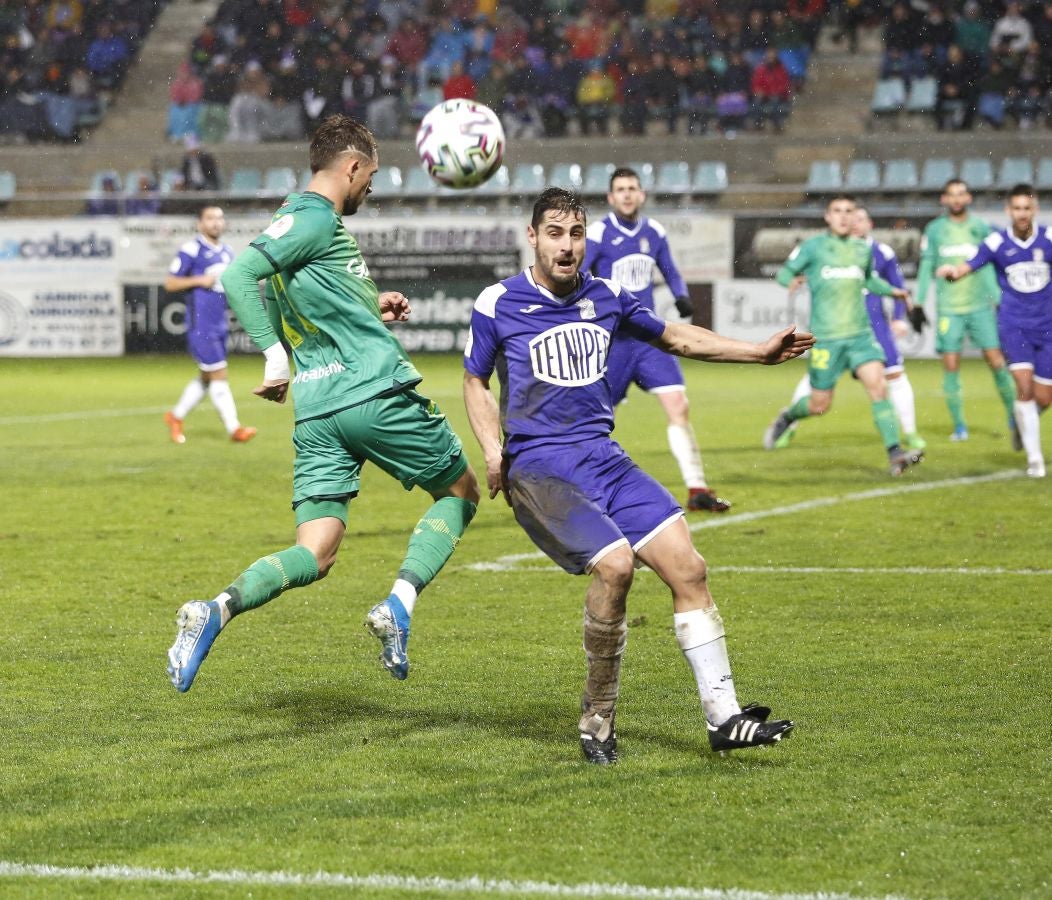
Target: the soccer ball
pixel 460 143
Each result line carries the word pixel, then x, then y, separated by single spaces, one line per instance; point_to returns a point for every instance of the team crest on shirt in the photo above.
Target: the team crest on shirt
pixel 587 308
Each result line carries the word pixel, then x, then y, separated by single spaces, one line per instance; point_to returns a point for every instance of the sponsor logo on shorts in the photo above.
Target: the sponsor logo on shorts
pixel 570 355
pixel 319 372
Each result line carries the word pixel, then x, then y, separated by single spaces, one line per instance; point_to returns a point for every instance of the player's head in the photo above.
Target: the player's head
pixel 345 151
pixel 210 221
pixel 1021 207
pixel 956 197
pixel 557 235
pixel 626 194
pixel 861 224
pixel 840 214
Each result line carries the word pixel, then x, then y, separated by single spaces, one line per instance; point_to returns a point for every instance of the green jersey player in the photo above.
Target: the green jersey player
pixel 966 308
pixel 355 401
pixel 837 266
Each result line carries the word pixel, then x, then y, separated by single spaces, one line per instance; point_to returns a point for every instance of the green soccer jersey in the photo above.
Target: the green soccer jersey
pixel 328 305
pixel 837 269
pixel 945 242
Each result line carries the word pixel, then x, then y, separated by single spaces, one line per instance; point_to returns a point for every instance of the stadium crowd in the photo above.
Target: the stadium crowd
pixel 60 60
pixel 991 61
pixel 272 69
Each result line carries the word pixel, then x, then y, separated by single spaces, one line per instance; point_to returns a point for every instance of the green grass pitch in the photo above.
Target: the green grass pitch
pixel 906 631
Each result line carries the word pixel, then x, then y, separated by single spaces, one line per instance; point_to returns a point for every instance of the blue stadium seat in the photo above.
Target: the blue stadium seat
pixel 387 182
pixel 1043 181
pixel 279 181
pixel 862 175
pixel 245 181
pixel 528 178
pixel 710 178
pixel 645 171
pixel 499 183
pixel 566 175
pixel 131 180
pixel 597 178
pixel 825 176
pixel 674 178
pixel 935 172
pixel 978 173
pixel 922 95
pixel 900 175
pixel 1014 170
pixel 171 179
pixel 889 97
pixel 417 183
pixel 8 186
pixel 99 177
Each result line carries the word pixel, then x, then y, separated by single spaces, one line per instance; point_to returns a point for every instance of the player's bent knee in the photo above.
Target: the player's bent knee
pixel 616 569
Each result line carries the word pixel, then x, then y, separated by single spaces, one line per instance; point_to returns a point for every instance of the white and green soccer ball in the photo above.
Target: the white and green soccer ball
pixel 460 143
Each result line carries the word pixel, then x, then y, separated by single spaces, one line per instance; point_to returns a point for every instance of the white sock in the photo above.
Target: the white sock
pixel 700 636
pixel 684 447
pixel 803 389
pixel 223 400
pixel 1026 418
pixel 405 592
pixel 900 393
pixel 193 393
pixel 224 612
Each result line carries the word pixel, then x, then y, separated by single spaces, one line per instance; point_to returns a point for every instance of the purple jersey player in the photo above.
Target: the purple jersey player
pixel 625 247
pixel 196 270
pixel 548 333
pixel 1020 255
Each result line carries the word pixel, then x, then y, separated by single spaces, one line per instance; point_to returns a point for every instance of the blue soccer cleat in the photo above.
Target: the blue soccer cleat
pixel 389 622
pixel 960 433
pixel 199 625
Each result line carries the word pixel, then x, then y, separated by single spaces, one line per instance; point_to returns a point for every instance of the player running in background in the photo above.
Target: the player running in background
pixel 355 401
pixel 1020 256
pixel 965 308
pixel 900 391
pixel 625 246
pixel 577 494
pixel 196 269
pixel 837 267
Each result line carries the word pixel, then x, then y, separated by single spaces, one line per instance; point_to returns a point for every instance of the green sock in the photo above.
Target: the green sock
pixel 887 422
pixel 951 388
pixel 1006 388
pixel 434 539
pixel 800 409
pixel 270 576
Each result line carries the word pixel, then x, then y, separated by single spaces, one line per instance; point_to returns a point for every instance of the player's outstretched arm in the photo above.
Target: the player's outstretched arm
pixel 953 272
pixel 694 342
pixel 394 306
pixel 485 422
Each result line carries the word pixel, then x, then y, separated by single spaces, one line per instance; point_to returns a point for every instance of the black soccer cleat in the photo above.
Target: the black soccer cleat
pixel 705 500
pixel 598 740
pixel 749 728
pixel 899 459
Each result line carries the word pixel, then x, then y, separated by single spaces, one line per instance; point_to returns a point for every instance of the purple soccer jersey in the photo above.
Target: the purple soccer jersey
pixel 1024 318
pixel 575 492
pixel 206 308
pixel 886 265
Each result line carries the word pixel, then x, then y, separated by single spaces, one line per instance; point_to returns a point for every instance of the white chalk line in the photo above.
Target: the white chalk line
pixel 82 415
pixel 393 883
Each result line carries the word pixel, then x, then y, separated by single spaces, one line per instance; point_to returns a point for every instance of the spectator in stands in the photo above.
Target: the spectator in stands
pixel 250 107
pixel 972 33
pixel 408 44
pixel 938 31
pixel 1014 27
pixel 663 91
pixel 955 100
pixel 703 85
pixel 586 37
pixel 558 87
pixel 373 43
pixel 771 91
pixel 635 99
pixel 359 88
pixel 807 14
pixel 324 93
pixel 108 202
pixel 143 199
pixel 384 112
pixel 285 120
pixel 199 169
pixel 788 37
pixel 220 83
pixel 993 87
pixel 108 55
pixel 458 84
pixel 448 45
pixel 754 40
pixel 903 33
pixel 596 93
pixel 184 102
pixel 732 102
pixel 478 52
pixel 521 118
pixel 204 48
pixel 510 37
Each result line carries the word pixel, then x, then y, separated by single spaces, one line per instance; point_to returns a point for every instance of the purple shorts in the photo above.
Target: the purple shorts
pixel 882 332
pixel 578 503
pixel 635 362
pixel 1027 348
pixel 208 348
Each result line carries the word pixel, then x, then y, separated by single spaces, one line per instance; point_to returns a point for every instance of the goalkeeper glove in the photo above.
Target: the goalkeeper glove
pixel 684 307
pixel 918 318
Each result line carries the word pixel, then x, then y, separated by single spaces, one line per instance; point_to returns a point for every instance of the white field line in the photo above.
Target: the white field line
pixel 393 883
pixel 511 562
pixel 82 415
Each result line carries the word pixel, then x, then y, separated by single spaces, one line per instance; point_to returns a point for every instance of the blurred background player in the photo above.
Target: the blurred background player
pixel 196 269
pixel 625 246
pixel 1020 255
pixel 900 391
pixel 837 267
pixel 965 308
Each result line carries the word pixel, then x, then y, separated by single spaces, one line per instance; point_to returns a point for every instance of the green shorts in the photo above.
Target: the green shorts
pixel 406 435
pixel 830 359
pixel 980 326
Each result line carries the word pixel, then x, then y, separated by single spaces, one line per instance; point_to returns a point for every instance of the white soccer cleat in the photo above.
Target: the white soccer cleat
pixel 1035 468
